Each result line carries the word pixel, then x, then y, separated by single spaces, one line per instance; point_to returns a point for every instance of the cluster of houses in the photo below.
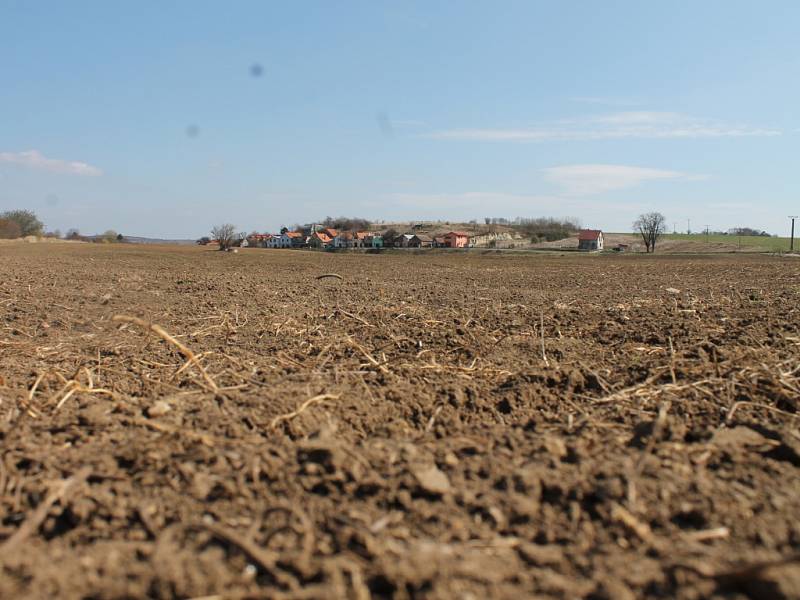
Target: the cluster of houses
pixel 327 238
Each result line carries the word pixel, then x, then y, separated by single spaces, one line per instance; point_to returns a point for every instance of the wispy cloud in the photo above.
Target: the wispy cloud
pixel 620 125
pixel 388 125
pixel 33 159
pixel 585 180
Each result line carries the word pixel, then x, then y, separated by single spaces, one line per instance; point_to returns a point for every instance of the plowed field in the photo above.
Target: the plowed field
pixel 179 422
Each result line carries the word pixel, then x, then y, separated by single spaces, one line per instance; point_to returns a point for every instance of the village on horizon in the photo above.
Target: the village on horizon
pixel 321 237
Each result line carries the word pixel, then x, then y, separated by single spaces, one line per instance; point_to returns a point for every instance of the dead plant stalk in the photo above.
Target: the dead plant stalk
pixel 163 334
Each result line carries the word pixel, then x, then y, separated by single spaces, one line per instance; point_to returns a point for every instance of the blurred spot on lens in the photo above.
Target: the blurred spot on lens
pixel 385 125
pixel 192 131
pixel 256 70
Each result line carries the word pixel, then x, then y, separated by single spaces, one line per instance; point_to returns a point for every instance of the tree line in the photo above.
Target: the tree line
pixel 23 223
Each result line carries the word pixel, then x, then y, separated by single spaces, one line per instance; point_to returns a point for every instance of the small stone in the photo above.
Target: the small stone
pixel 432 480
pixel 671 290
pixel 451 459
pixel 159 409
pixel 202 484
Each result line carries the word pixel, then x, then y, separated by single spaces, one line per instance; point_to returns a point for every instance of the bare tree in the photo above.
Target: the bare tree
pixel 225 235
pixel 650 226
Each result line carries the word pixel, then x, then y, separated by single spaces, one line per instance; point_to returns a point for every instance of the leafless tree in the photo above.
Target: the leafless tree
pixel 225 235
pixel 650 226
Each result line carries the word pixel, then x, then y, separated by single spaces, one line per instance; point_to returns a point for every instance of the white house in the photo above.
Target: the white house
pixel 590 239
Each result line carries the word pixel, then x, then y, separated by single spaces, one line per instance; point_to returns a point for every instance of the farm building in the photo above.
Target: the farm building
pixel 420 240
pixel 401 241
pixel 590 239
pixel 456 239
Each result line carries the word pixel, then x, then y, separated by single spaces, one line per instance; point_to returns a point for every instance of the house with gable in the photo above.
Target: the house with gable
pixel 590 240
pixel 320 240
pixel 456 239
pixel 420 240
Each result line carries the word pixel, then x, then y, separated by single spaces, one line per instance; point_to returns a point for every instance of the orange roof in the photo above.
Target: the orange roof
pixel 331 231
pixel 293 234
pixel 362 234
pixel 346 235
pixel 323 237
pixel 458 233
pixel 589 234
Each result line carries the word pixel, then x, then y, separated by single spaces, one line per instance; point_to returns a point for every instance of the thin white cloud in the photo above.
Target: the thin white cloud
pixel 33 159
pixel 586 180
pixel 620 125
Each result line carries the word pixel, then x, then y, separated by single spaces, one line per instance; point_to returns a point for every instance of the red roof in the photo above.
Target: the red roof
pixel 589 235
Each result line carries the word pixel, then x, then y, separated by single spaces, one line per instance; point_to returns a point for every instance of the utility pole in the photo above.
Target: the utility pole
pixel 791 239
pixel 706 234
pixel 688 227
pixel 674 227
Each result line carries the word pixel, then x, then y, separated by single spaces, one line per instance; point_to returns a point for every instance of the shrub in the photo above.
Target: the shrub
pixel 9 230
pixel 28 222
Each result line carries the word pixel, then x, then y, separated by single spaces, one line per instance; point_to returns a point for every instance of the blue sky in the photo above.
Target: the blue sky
pixel 165 118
